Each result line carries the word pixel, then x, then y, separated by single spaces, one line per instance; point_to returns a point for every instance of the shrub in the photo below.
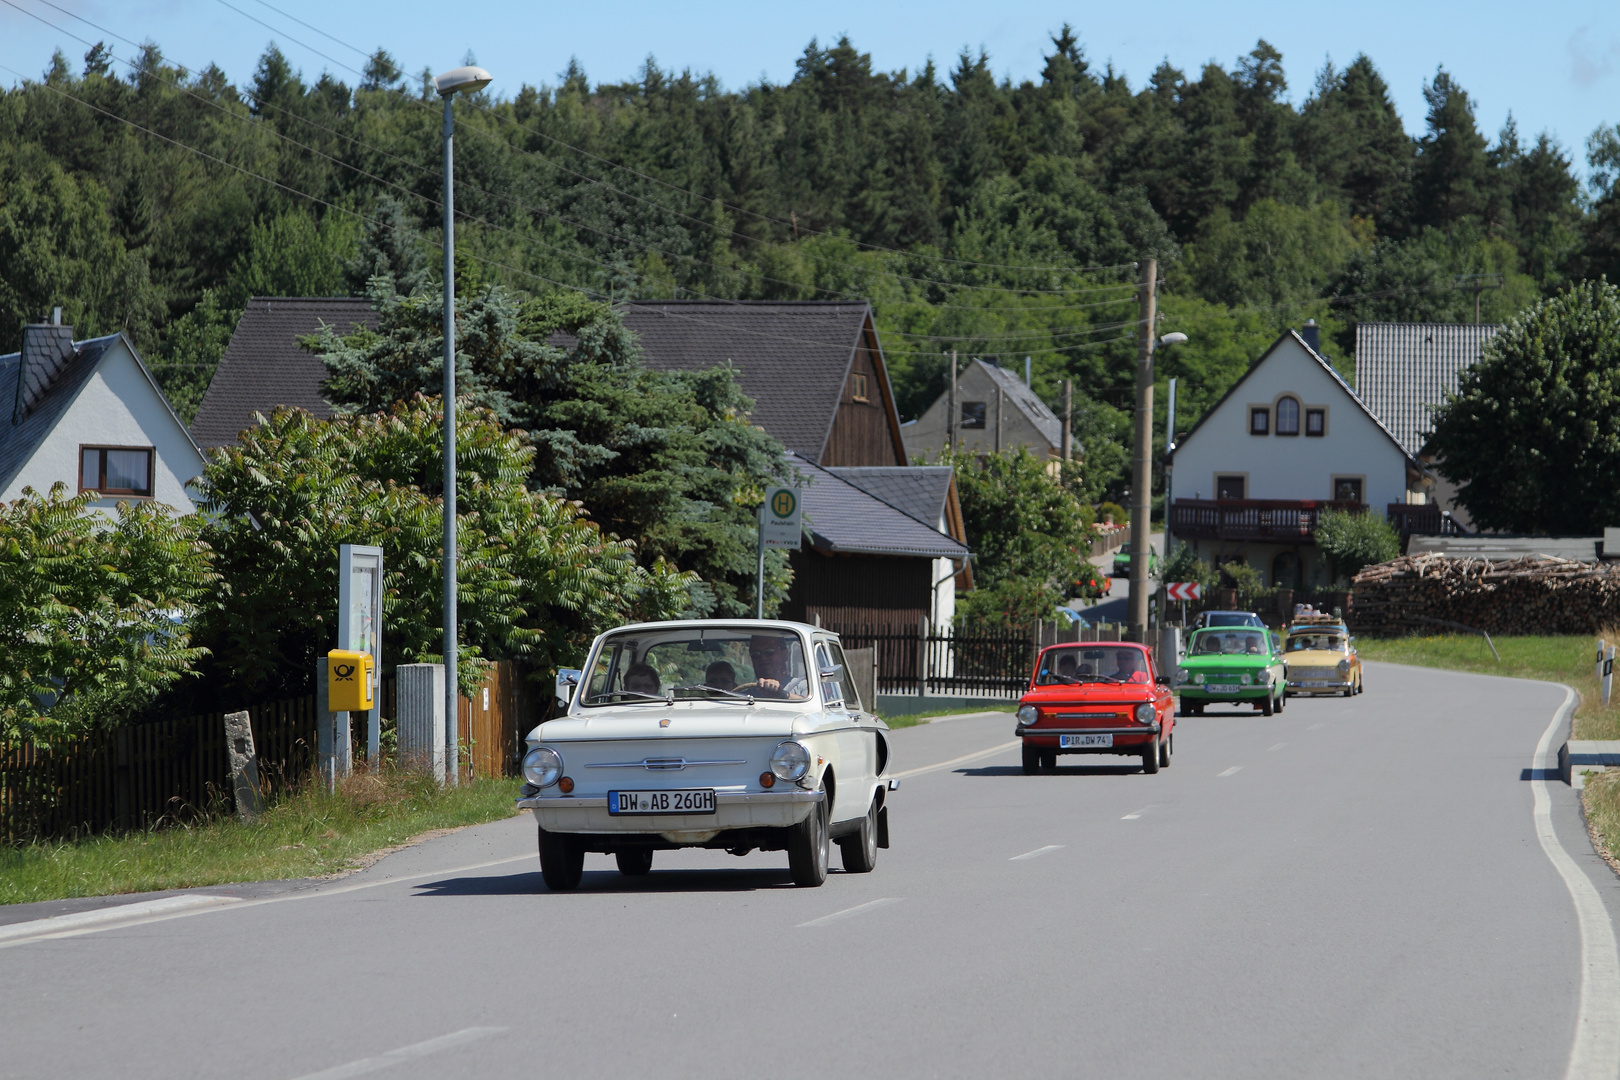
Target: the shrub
pixel 1352 541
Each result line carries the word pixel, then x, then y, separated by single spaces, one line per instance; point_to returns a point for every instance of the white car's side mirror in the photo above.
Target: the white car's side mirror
pixel 567 679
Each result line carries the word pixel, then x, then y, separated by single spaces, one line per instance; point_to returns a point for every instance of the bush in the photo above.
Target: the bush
pixel 1113 510
pixel 1352 541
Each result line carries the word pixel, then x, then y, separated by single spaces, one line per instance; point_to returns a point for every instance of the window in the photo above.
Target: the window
pixel 973 414
pixel 1315 422
pixel 1287 416
pixel 1230 487
pixel 1259 421
pixel 857 386
pixel 116 470
pixel 1347 488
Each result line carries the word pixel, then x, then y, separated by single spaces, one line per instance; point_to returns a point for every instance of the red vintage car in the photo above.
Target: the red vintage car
pixel 1096 697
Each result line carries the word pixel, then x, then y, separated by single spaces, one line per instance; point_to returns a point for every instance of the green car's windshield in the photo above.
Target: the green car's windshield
pixel 1230 641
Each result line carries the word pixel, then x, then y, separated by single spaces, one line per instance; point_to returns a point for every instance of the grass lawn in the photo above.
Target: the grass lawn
pixel 307 834
pixel 905 720
pixel 1566 659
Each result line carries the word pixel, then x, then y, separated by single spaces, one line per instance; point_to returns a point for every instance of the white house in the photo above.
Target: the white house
pixel 1288 440
pixel 88 414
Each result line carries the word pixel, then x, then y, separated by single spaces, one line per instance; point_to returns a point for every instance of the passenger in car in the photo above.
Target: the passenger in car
pixel 642 679
pixel 720 675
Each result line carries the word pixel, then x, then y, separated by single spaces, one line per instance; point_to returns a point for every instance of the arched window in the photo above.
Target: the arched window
pixel 1287 416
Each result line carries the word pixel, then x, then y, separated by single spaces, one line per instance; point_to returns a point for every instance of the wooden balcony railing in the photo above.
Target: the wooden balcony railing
pixel 1284 520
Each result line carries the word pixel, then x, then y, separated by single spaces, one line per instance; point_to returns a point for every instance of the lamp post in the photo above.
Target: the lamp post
pixel 462 80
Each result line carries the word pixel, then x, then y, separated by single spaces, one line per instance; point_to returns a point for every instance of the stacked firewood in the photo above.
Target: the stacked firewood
pixel 1532 594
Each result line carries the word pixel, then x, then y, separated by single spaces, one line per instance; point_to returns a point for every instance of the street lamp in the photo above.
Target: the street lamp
pixel 462 80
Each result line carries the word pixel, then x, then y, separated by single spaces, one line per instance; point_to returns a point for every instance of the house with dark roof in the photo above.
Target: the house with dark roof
pixel 875 563
pixel 1404 371
pixel 1287 441
pixel 814 369
pixel 88 414
pixel 264 366
pixel 995 411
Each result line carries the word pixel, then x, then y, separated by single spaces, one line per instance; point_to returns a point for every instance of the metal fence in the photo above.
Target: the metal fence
pixel 935 661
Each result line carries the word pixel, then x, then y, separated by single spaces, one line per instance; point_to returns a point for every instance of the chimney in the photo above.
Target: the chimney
pixel 46 350
pixel 1312 335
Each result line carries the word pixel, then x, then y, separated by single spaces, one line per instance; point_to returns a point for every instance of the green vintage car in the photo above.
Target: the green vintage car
pixel 1232 664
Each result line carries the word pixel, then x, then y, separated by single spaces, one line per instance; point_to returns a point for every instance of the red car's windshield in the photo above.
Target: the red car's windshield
pixel 1092 663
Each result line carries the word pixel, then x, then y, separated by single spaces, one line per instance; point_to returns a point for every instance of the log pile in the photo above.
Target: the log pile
pixel 1532 594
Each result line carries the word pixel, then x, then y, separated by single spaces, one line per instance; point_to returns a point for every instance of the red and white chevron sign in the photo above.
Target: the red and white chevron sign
pixel 1182 590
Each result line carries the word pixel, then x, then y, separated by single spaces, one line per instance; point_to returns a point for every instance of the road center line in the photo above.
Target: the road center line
pixel 1596 1049
pixel 403 1054
pixel 1278 746
pixel 1037 853
pixel 1134 814
pixel 870 905
pixel 963 760
pixel 1232 770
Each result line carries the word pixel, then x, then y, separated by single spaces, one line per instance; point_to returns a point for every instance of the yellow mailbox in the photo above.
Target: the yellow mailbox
pixel 348 681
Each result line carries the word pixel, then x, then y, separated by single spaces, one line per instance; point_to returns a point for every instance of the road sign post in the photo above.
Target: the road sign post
pixel 781 525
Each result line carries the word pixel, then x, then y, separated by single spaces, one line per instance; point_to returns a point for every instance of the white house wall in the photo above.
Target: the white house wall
pixel 1291 466
pixel 117 406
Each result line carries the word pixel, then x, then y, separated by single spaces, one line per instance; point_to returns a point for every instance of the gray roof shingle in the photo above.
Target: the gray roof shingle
pixel 48 399
pixel 843 519
pixel 791 358
pixel 1405 370
pixel 264 366
pixel 917 490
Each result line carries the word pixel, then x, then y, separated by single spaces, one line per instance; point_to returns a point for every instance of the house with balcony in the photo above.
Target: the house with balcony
pixel 1289 440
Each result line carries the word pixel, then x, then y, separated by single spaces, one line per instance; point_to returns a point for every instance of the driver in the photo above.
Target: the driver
pixel 772 677
pixel 1129 666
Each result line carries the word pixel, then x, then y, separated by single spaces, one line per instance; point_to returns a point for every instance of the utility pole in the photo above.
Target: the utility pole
pixel 955 419
pixel 1068 419
pixel 1169 461
pixel 1142 470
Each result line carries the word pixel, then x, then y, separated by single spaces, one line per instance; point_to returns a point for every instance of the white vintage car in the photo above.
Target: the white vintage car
pixel 736 735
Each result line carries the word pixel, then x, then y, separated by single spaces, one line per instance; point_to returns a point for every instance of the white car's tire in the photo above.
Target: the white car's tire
pixel 634 862
pixel 809 845
pixel 859 849
pixel 562 861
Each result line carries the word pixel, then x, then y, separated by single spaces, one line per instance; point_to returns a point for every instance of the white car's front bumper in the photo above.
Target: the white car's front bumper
pixel 732 810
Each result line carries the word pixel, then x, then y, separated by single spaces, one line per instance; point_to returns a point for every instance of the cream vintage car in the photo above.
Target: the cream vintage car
pixel 1321 657
pixel 738 735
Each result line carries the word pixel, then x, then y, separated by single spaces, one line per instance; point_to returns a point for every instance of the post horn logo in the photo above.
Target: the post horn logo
pixel 344 672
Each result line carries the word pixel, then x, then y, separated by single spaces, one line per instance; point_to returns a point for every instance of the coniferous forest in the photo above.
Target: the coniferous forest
pixel 998 219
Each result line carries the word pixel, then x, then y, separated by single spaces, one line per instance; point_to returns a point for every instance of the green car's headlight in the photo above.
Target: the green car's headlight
pixel 1246 680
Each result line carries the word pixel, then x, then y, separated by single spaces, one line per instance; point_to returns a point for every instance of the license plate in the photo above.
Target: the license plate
pixel 1317 683
pixel 1223 688
pixel 695 801
pixel 1067 741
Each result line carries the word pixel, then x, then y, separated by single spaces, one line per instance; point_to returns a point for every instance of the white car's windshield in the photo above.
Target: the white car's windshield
pixel 710 662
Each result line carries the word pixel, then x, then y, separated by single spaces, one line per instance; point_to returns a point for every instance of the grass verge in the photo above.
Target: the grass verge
pixel 1601 797
pixel 309 833
pixel 905 720
pixel 1555 658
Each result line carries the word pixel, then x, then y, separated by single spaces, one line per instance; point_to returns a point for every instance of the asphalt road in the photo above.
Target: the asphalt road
pixel 1350 888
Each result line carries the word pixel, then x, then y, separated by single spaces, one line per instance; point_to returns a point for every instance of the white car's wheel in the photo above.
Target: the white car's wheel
pixel 859 849
pixel 634 862
pixel 809 847
pixel 562 861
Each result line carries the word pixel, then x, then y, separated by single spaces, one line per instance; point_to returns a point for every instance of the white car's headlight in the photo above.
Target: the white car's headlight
pixel 1144 713
pixel 542 766
pixel 1245 680
pixel 790 760
pixel 1028 714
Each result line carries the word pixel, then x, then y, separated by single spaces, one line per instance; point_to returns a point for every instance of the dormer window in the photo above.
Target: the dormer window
pixel 1260 421
pixel 1287 416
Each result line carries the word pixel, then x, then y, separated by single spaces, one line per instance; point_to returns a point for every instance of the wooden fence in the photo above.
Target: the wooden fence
pixel 146 775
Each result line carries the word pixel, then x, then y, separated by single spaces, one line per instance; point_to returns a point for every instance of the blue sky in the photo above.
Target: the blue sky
pixel 1555 66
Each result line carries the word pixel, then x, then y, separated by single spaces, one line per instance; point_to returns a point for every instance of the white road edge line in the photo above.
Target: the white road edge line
pixel 963 760
pixel 1037 853
pixel 1278 746
pixel 403 1054
pixel 858 909
pixel 120 913
pixel 1134 814
pixel 1595 1051
pixel 41 932
pixel 1232 770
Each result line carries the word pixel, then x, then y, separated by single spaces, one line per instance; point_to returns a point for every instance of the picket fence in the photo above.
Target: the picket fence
pixel 146 775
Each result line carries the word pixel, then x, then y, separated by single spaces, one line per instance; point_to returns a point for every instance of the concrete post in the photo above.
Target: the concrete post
pixel 922 656
pixel 244 765
pixel 420 695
